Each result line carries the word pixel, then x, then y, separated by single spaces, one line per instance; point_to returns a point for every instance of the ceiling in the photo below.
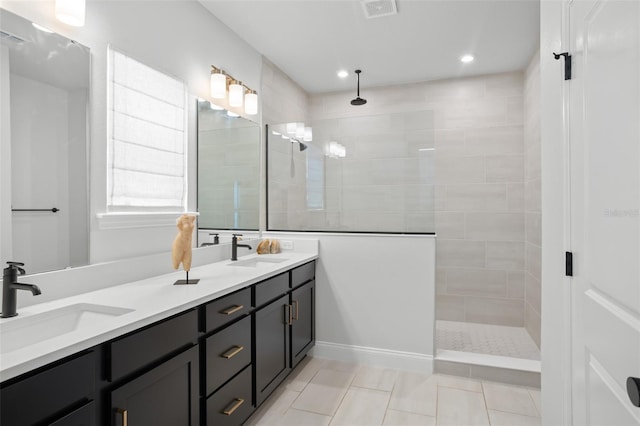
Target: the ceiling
pixel 310 40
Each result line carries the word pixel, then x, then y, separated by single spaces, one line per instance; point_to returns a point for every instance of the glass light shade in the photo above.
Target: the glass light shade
pixel 71 12
pixel 299 130
pixel 291 128
pixel 308 134
pixel 218 85
pixel 251 103
pixel 236 94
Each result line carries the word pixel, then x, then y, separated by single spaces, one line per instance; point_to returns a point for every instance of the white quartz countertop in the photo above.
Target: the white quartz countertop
pixel 150 300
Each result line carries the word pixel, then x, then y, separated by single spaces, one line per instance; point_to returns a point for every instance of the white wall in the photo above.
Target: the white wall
pixel 375 298
pixel 6 240
pixel 180 38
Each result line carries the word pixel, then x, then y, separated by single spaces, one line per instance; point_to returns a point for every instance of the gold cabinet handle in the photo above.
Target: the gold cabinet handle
pixel 232 310
pixel 232 352
pixel 233 406
pixel 289 314
pixel 124 415
pixel 295 316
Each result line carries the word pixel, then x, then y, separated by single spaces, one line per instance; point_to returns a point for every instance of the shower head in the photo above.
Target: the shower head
pixel 302 146
pixel 358 100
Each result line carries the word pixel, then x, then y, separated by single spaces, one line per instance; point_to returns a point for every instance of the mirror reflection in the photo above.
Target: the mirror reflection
pixel 228 170
pixel 45 91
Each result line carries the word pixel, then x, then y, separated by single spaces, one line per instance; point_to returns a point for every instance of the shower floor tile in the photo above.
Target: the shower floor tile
pixel 486 339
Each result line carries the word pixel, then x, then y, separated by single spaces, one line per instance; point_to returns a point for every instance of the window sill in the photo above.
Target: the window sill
pixel 127 220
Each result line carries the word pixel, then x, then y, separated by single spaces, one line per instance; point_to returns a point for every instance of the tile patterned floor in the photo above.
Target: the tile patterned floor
pixel 325 392
pixel 486 339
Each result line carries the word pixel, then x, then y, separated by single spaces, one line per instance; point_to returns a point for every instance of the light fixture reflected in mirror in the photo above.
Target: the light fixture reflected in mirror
pixel 239 94
pixel 70 12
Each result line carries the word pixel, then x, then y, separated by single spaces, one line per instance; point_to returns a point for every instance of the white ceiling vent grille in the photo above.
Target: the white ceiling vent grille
pixel 379 8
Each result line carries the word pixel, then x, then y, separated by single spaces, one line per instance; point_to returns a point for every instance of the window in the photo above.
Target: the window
pixel 147 138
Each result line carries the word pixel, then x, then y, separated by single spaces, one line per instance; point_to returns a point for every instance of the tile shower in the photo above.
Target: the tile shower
pixel 481 135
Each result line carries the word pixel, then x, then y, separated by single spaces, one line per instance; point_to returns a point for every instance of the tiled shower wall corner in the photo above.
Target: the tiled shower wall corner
pixel 532 179
pixel 479 141
pixel 283 100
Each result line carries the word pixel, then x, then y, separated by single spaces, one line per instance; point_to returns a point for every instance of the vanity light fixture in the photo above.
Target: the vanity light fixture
pixel 308 134
pixel 236 94
pixel 239 94
pixel 251 102
pixel 70 12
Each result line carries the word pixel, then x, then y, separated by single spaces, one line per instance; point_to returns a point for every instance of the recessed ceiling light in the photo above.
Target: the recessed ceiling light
pixel 466 59
pixel 343 74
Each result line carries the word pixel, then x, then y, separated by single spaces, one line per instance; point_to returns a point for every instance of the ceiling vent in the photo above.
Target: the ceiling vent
pixel 10 37
pixel 379 8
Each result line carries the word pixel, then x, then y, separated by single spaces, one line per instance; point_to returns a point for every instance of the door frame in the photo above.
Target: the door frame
pixel 556 351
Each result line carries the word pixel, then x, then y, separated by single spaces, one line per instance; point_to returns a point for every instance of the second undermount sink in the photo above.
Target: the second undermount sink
pixel 21 332
pixel 255 262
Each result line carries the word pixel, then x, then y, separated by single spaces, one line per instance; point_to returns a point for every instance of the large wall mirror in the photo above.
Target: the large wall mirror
pixel 228 170
pixel 45 92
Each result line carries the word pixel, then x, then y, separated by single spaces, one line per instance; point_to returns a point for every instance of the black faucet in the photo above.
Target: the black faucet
pixel 10 285
pixel 216 240
pixel 235 245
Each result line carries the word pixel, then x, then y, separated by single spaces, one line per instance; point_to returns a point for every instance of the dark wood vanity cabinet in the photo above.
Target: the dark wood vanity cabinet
pixel 167 395
pixel 302 321
pixel 272 360
pixel 210 365
pixel 51 394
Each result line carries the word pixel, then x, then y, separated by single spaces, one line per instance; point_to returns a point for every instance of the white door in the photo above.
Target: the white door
pixel 604 137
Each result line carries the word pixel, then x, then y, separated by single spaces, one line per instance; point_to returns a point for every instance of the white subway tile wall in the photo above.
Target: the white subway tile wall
pixel 532 197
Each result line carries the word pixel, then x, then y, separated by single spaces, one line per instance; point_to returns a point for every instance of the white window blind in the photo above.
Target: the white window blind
pixel 147 121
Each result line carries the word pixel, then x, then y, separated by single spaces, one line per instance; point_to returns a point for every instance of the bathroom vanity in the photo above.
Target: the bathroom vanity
pixel 212 358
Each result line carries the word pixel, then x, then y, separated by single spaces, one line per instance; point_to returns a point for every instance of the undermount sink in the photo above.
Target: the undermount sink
pixel 22 332
pixel 255 262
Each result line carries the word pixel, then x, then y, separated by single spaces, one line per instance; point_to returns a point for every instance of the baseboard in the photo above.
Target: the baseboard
pixel 409 361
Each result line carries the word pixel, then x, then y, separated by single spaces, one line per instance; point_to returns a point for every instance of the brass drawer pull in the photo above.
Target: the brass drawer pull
pixel 124 415
pixel 289 314
pixel 233 407
pixel 295 316
pixel 232 352
pixel 232 310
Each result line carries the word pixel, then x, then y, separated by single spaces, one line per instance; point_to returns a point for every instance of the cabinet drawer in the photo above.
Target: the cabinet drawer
pixel 48 392
pixel 228 351
pixel 272 288
pixel 227 308
pixel 231 405
pixel 303 273
pixel 153 343
pixel 84 416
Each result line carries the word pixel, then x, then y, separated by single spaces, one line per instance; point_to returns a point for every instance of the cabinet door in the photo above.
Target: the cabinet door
pixel 164 396
pixel 303 321
pixel 272 346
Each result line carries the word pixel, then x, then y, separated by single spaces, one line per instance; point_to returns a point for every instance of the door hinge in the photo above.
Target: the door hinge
pixel 568 264
pixel 567 63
